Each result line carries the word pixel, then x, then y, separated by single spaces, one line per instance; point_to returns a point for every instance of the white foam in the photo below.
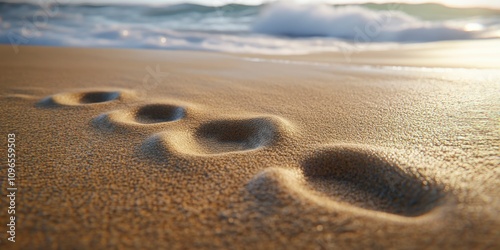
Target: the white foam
pixel 314 28
pixel 355 24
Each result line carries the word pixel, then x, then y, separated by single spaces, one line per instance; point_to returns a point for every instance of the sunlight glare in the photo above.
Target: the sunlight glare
pixel 473 27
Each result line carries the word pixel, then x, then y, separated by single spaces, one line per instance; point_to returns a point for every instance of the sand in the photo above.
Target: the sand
pixel 141 149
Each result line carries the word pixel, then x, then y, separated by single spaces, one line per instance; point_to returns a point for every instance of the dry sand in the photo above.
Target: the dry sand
pixel 131 149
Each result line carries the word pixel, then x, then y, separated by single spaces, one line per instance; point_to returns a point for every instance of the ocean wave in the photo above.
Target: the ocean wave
pixel 190 8
pixel 277 28
pixel 359 24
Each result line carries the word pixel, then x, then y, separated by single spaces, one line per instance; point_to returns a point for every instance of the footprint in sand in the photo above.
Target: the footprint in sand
pixel 149 115
pixel 221 137
pixel 347 177
pixel 83 98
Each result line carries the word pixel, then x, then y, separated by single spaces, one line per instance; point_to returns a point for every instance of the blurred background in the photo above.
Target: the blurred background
pixel 246 26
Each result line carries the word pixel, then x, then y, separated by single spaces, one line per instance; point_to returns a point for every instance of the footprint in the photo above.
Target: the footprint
pixel 349 178
pixel 83 98
pixel 359 176
pixel 235 135
pixel 222 137
pixel 147 115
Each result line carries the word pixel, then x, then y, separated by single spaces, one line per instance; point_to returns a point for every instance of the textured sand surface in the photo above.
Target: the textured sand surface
pixel 135 149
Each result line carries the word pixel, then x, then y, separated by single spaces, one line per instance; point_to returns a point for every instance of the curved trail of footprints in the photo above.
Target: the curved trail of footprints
pixel 351 176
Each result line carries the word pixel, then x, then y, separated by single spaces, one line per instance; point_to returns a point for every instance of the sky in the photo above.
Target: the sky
pixel 456 3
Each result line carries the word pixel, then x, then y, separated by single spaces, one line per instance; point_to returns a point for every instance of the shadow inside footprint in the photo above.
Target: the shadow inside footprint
pixel 97 97
pixel 235 135
pixel 360 177
pixel 156 113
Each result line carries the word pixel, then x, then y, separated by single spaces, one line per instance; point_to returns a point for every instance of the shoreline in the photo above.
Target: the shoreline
pixel 480 54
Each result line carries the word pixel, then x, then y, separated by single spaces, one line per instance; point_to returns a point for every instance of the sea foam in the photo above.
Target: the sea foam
pixel 354 23
pixel 275 28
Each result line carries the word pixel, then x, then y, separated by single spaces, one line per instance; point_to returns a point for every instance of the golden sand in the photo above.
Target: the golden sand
pixel 137 149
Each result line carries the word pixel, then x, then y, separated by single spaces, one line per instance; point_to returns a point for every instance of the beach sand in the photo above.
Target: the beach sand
pixel 144 149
